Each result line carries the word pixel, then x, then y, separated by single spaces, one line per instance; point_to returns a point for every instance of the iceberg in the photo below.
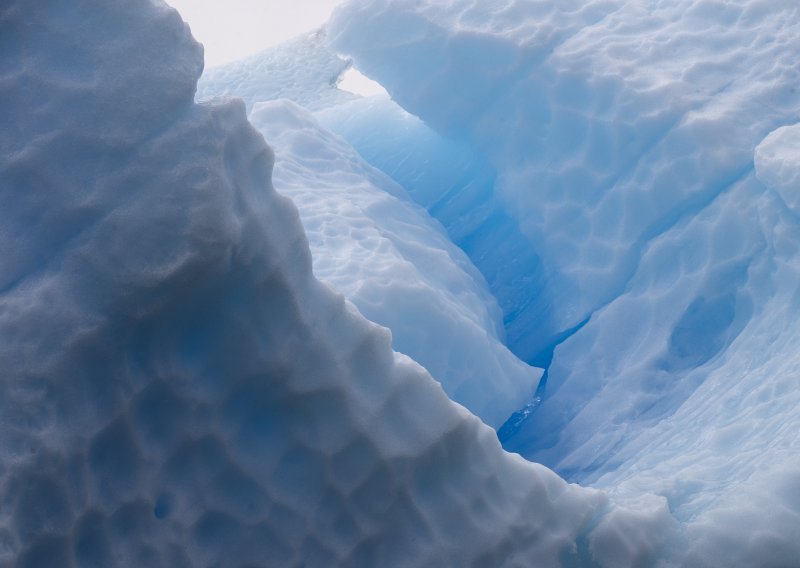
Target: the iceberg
pixel 368 238
pixel 602 119
pixel 647 152
pixel 219 352
pixel 387 256
pixel 178 389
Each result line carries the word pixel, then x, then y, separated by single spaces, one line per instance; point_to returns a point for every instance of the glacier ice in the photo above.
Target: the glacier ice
pixel 303 70
pixel 594 114
pixel 777 164
pixel 395 264
pixel 624 137
pixel 178 389
pixel 367 237
pixel 445 176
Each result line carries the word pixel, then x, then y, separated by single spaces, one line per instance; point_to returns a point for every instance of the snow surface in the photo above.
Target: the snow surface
pixel 777 162
pixel 624 137
pixel 386 255
pixel 178 389
pixel 303 70
pixel 367 237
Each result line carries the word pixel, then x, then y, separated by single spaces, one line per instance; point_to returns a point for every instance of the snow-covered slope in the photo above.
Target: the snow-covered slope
pixel 176 388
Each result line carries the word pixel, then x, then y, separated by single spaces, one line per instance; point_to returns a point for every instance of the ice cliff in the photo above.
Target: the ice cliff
pixel 177 389
pixel 647 154
pixel 604 188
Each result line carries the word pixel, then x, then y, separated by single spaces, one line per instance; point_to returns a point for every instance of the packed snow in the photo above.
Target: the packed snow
pixel 608 189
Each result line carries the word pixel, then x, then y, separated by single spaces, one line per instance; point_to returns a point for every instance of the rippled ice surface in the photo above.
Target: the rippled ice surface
pixel 603 189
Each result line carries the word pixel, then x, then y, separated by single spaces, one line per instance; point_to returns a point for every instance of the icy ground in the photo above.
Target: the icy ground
pixel 606 189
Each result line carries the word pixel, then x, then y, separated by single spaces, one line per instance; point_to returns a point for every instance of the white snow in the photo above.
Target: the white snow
pixel 303 70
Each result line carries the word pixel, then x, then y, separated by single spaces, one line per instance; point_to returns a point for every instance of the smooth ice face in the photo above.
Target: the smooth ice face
pixel 385 254
pixel 177 389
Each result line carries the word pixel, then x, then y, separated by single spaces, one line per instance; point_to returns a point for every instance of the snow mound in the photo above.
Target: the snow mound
pixel 177 389
pixel 395 264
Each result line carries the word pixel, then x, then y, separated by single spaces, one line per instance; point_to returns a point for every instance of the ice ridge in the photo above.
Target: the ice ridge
pixel 176 388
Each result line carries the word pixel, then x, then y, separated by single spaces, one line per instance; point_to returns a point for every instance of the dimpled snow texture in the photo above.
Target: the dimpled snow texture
pixel 455 185
pixel 395 264
pixel 603 119
pixel 380 251
pixel 624 135
pixel 777 163
pixel 303 70
pixel 445 176
pixel 176 387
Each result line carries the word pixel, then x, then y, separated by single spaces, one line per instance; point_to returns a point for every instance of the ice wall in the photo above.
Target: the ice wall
pixel 455 184
pixel 446 176
pixel 386 255
pixel 367 237
pixel 176 388
pixel 601 118
pixel 624 137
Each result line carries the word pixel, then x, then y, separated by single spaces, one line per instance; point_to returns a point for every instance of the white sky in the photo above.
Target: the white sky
pixel 231 29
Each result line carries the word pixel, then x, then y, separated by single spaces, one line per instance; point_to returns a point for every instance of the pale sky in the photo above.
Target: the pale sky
pixel 231 29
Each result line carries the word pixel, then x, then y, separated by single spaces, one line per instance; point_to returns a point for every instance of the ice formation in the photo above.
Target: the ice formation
pixel 395 264
pixel 624 137
pixel 303 70
pixel 777 163
pixel 367 237
pixel 177 389
pixel 618 178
